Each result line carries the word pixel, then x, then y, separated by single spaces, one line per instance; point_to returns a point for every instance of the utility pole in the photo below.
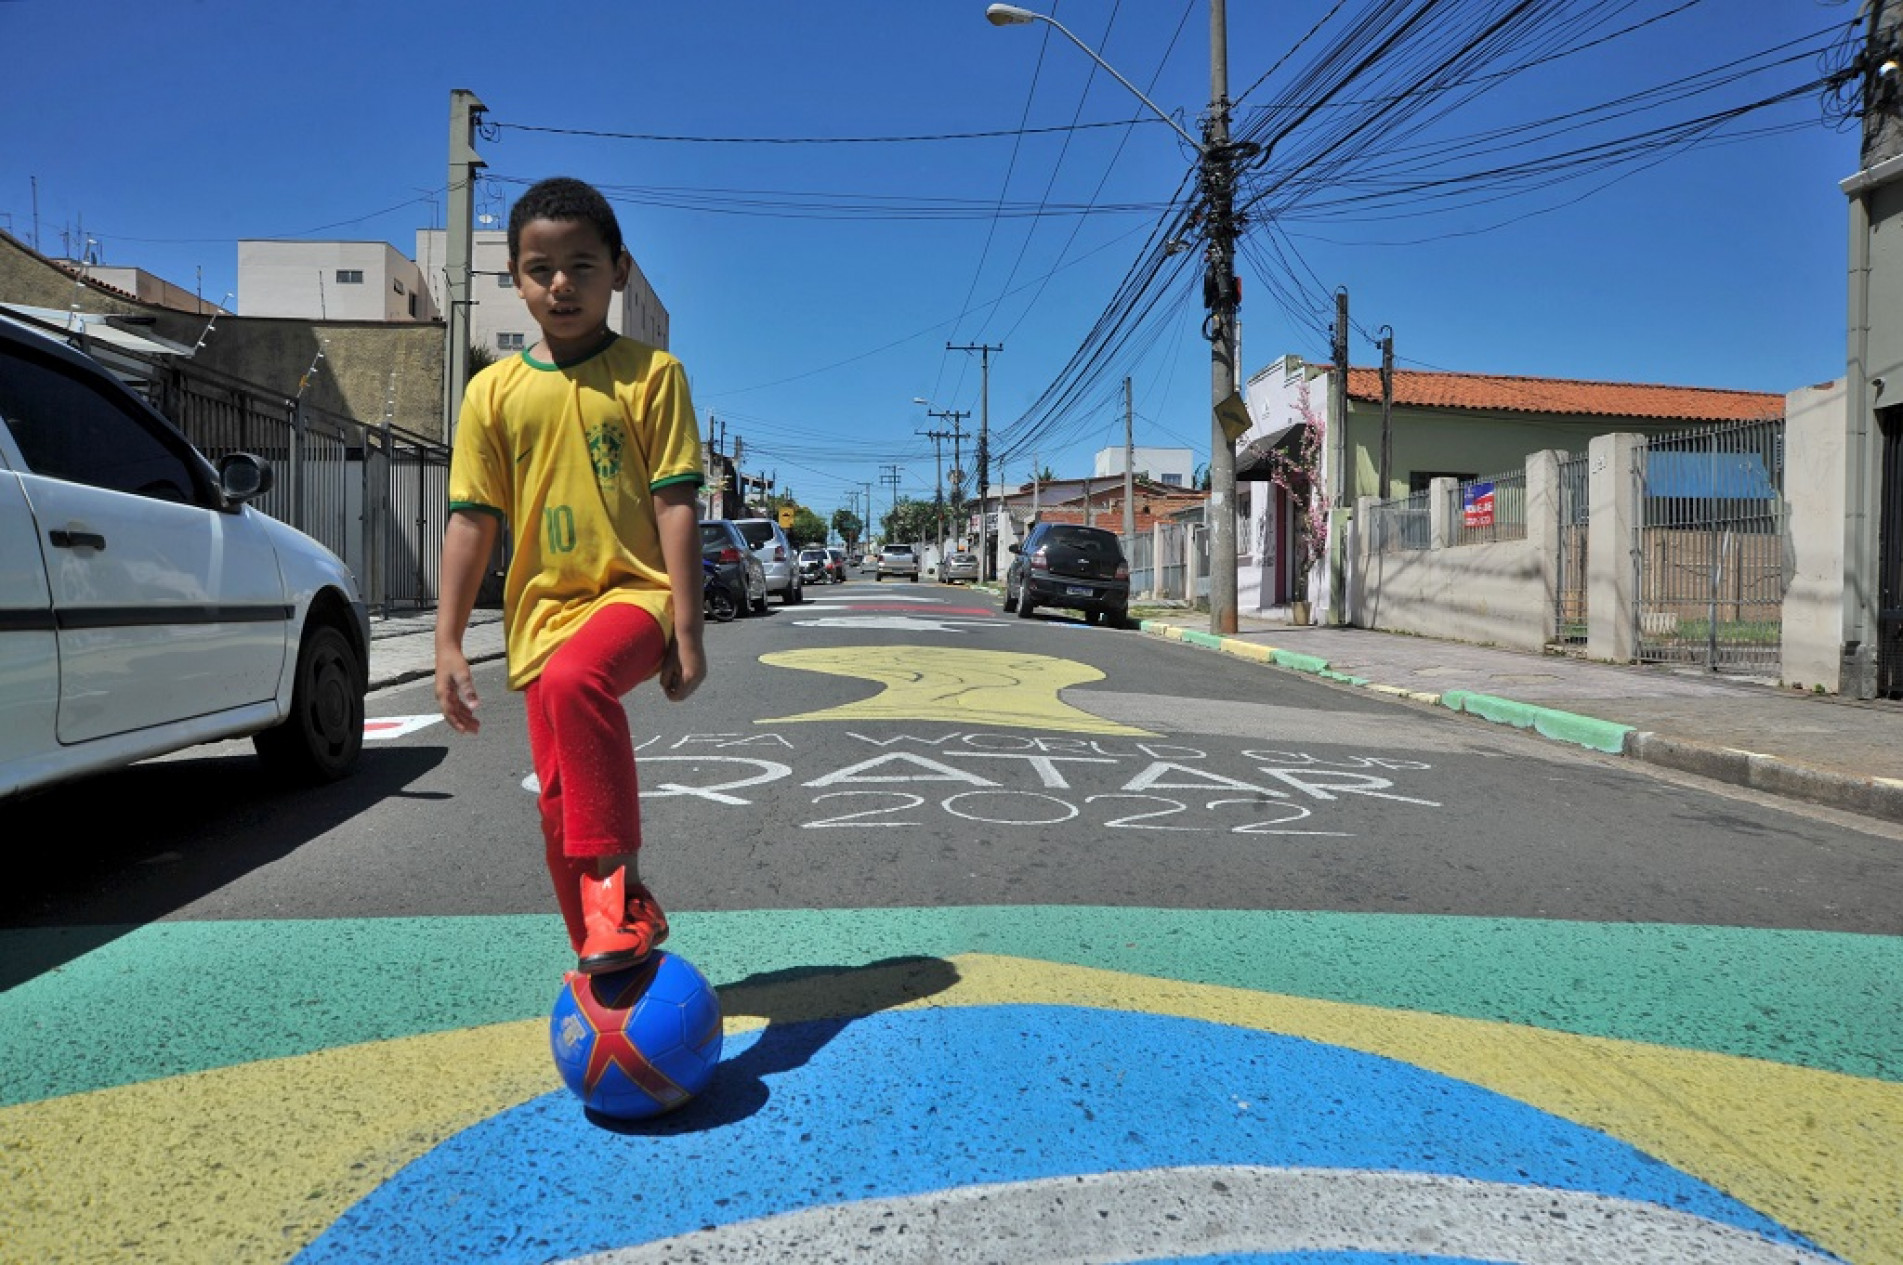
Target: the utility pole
pixel 891 476
pixel 985 569
pixel 1221 296
pixel 957 416
pixel 465 116
pixel 1387 407
pixel 1129 474
pixel 1338 460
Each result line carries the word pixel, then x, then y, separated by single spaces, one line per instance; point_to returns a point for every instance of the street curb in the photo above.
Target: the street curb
pixel 1868 796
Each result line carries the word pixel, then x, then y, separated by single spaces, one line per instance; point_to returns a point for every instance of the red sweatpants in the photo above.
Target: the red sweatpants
pixel 582 748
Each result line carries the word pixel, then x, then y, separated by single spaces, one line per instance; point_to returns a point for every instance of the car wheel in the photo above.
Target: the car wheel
pixel 879 577
pixel 322 737
pixel 1010 603
pixel 794 595
pixel 1025 605
pixel 720 604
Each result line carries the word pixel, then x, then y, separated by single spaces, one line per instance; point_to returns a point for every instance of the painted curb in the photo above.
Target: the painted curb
pixel 1584 731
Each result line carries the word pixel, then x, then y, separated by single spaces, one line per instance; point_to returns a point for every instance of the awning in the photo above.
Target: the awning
pixel 1255 460
pixel 97 328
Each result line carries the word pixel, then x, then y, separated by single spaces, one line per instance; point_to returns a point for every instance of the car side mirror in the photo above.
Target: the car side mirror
pixel 1012 548
pixel 242 476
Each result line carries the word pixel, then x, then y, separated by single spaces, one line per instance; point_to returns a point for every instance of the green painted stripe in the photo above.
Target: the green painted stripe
pixel 1584 731
pixel 195 995
pixel 1300 662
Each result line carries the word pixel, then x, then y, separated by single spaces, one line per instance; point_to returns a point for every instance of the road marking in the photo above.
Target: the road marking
pixel 966 687
pixel 1200 1211
pixel 379 728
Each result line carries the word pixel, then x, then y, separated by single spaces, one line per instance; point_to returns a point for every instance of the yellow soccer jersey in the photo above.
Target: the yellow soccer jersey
pixel 569 455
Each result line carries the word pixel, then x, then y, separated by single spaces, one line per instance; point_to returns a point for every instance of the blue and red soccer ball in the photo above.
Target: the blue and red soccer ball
pixel 640 1042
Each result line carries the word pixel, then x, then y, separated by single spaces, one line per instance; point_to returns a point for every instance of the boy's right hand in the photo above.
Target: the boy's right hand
pixel 456 691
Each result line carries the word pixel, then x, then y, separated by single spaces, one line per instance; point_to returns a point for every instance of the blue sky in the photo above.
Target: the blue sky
pixel 812 287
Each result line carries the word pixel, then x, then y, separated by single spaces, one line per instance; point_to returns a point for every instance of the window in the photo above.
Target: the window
pixel 350 276
pixel 412 305
pixel 69 429
pixel 509 342
pixel 397 284
pixel 1172 480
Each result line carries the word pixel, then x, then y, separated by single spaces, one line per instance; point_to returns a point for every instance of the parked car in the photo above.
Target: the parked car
pixel 1067 565
pixel 959 567
pixel 869 562
pixel 777 555
pixel 815 567
pixel 898 560
pixel 837 565
pixel 737 568
pixel 144 606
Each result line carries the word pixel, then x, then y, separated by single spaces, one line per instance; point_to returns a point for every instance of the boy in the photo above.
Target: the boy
pixel 586 445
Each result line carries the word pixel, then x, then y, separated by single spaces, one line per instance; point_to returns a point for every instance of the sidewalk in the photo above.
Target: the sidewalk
pixel 1843 754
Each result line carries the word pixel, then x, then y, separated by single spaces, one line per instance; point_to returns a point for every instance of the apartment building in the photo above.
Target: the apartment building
pixel 332 281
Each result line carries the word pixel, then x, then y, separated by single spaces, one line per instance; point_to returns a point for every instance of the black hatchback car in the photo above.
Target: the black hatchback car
pixel 1067 565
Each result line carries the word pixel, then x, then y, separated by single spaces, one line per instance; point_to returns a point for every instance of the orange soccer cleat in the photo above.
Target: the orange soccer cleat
pixel 622 924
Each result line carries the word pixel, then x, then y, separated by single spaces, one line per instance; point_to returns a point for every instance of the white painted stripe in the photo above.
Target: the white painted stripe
pixel 1153 1214
pixel 377 728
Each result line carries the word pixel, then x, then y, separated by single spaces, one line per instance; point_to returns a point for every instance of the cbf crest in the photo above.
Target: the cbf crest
pixel 606 443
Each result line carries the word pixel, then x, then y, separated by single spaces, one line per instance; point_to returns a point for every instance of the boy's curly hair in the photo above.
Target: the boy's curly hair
pixel 565 198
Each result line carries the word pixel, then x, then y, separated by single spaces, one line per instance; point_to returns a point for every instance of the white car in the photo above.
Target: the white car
pixel 144 607
pixel 897 560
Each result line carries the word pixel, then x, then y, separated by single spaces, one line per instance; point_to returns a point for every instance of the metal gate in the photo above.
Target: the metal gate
pixel 1710 548
pixel 1890 557
pixel 1575 516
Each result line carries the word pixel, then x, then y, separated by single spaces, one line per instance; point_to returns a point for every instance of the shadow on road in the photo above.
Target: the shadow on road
pixel 93 859
pixel 804 1008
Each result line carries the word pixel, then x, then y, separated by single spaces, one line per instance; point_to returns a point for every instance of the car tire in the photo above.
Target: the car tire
pixel 720 604
pixel 793 595
pixel 1025 605
pixel 1010 603
pixel 322 737
pixel 879 577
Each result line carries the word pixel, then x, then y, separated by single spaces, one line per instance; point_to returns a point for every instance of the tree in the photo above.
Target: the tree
pixel 481 356
pixel 910 522
pixel 1299 475
pixel 808 529
pixel 847 527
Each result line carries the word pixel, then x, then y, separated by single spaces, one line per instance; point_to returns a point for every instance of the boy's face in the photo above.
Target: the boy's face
pixel 563 271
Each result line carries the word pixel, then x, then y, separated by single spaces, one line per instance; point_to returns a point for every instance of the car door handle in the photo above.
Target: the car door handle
pixel 76 540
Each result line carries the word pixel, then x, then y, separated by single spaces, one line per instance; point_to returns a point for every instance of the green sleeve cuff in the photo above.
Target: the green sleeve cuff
pixel 695 478
pixel 476 507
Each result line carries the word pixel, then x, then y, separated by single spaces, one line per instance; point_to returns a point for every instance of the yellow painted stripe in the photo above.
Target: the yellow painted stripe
pixel 250 1163
pixel 1248 650
pixel 961 687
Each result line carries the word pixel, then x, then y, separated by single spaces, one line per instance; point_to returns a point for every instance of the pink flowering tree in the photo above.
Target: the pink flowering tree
pixel 1299 475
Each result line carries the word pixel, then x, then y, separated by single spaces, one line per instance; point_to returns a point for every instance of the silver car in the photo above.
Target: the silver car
pixel 776 554
pixel 959 568
pixel 898 560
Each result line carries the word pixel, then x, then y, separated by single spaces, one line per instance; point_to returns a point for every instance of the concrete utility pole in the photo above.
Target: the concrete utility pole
pixel 985 569
pixel 1387 407
pixel 465 116
pixel 891 476
pixel 938 436
pixel 1343 491
pixel 1221 296
pixel 1129 474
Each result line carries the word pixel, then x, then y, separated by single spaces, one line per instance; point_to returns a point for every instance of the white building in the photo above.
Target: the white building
pixel 331 281
pixel 497 318
pixel 1174 467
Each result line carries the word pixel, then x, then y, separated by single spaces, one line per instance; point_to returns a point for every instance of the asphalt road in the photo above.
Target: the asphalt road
pixel 1035 942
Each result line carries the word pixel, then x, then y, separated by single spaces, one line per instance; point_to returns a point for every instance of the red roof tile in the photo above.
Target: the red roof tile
pixel 1514 394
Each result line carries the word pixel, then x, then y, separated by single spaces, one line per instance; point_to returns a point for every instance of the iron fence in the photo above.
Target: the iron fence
pixel 1402 524
pixel 1490 509
pixel 1710 547
pixel 1575 520
pixel 376 496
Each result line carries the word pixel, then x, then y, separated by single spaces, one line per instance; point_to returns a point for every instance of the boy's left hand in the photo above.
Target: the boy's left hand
pixel 682 669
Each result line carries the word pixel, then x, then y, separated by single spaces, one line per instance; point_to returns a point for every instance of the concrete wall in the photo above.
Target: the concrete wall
pixel 1817 455
pixel 1498 593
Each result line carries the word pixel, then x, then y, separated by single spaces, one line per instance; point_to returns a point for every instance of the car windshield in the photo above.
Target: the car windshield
pixel 757 533
pixel 812 555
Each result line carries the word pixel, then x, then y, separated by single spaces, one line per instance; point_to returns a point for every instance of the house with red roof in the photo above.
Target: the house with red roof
pixel 1439 424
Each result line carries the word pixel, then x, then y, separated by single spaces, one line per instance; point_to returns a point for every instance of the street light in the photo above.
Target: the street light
pixel 1216 159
